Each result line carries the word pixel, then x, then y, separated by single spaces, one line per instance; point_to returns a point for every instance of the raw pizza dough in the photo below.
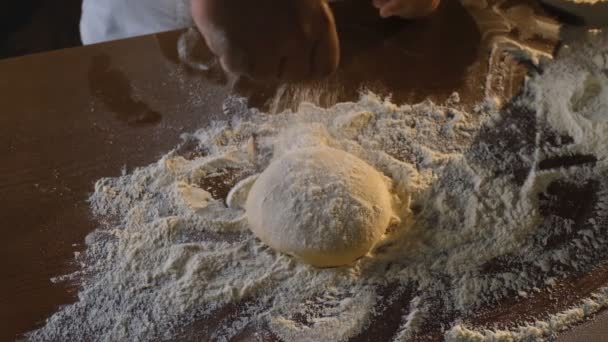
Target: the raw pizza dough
pixel 321 205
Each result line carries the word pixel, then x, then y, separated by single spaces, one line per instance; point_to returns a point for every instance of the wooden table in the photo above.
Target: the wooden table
pixel 70 117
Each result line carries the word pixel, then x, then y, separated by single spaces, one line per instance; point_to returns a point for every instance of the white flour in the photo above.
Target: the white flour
pixel 495 215
pixel 539 330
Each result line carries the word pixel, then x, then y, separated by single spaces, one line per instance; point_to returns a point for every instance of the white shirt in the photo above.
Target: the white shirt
pixel 104 20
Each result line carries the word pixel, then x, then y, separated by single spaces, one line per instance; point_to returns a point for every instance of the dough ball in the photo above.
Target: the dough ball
pixel 321 205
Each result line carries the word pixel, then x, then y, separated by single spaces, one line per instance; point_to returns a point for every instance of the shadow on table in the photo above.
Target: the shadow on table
pixel 113 88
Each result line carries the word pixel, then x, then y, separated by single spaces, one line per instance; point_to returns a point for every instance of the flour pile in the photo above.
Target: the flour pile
pixel 503 202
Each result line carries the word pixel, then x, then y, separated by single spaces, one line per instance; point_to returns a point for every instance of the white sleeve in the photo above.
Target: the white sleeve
pixel 104 20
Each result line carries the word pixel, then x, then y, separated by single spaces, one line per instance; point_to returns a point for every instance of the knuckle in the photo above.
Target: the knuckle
pixel 233 63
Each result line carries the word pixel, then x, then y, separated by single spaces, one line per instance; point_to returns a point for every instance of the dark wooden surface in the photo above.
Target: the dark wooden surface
pixel 33 26
pixel 67 118
pixel 72 116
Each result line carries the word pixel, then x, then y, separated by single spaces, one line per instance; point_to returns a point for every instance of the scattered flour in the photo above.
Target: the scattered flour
pixel 502 202
pixel 539 330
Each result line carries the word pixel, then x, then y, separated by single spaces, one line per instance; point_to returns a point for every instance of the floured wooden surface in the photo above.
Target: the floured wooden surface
pixel 508 203
pixel 465 76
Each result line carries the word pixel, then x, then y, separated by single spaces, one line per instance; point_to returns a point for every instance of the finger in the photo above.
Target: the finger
pixel 316 54
pixel 235 62
pixel 215 42
pixel 379 3
pixel 324 54
pixel 410 9
pixel 211 34
pixel 392 8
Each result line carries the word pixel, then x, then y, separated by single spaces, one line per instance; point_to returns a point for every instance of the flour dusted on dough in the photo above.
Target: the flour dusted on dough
pixel 323 205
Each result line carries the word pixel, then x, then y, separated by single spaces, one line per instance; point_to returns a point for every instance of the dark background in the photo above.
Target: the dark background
pixel 30 26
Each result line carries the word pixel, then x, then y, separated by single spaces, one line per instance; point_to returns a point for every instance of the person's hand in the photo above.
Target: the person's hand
pixel 408 9
pixel 288 40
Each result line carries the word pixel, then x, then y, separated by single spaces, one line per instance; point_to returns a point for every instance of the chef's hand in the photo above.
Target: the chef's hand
pixel 408 9
pixel 288 40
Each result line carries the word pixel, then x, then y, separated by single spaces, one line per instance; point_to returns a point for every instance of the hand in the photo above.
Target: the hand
pixel 408 9
pixel 289 40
